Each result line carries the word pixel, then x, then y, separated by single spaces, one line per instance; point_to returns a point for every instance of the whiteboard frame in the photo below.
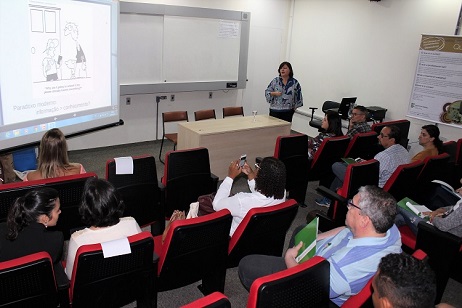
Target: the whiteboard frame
pixel 171 10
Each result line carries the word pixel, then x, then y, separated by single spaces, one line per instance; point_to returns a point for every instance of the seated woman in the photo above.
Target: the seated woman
pixel 26 229
pixel 429 139
pixel 267 187
pixel 101 210
pixel 448 218
pixel 331 127
pixel 53 161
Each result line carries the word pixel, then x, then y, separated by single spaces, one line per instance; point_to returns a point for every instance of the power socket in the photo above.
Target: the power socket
pixel 172 97
pixel 128 101
pixel 210 95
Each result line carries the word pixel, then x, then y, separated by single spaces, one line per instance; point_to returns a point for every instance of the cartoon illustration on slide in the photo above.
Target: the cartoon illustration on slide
pixel 80 66
pixel 452 112
pixel 49 65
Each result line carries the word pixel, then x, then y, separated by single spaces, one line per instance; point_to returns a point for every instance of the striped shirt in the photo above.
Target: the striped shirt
pixel 354 261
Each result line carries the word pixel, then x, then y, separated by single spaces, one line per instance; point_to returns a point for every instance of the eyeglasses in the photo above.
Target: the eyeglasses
pixel 384 136
pixel 350 203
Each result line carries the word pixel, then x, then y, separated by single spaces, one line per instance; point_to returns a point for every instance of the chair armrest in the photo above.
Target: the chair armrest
pixel 62 285
pixel 215 180
pixel 325 222
pixel 326 192
pixel 312 111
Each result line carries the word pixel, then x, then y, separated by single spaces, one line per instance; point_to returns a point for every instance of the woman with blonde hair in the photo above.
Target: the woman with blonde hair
pixel 53 160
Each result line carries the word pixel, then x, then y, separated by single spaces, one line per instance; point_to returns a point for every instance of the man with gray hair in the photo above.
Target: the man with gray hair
pixel 353 252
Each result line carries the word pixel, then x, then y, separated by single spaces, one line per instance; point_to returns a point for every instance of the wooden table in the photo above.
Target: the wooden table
pixel 226 139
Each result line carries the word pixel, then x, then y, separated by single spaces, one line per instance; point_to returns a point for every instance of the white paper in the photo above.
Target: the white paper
pixel 124 165
pixel 418 209
pixel 116 248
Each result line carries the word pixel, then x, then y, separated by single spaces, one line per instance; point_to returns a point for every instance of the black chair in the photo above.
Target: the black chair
pixel 70 189
pixel 194 249
pixel 116 281
pixel 363 145
pixel 29 282
pixel 326 106
pixel 141 192
pixel 304 285
pixel 262 231
pixel 403 180
pixel 346 105
pixel 186 177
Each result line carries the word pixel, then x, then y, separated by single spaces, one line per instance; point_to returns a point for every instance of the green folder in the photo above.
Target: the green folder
pixel 349 160
pixel 402 204
pixel 308 236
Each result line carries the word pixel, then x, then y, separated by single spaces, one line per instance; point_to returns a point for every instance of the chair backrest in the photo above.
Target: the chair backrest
pixel 450 147
pixel 357 175
pixel 173 116
pixel 363 145
pixel 262 231
pixel 316 123
pixel 435 168
pixel 115 281
pixel 364 297
pixel 305 285
pixel 293 152
pixel 327 105
pixel 70 190
pixel 186 177
pixel 140 191
pixel 195 249
pixel 330 151
pixel 204 114
pixel 403 125
pixel 459 152
pixel 403 180
pixel 233 111
pixel 28 282
pixel 214 300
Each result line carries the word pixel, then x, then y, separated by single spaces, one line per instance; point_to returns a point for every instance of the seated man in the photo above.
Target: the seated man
pixel 358 122
pixel 403 281
pixel 353 251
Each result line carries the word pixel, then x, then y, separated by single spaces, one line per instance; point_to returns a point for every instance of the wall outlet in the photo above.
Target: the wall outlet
pixel 210 95
pixel 128 101
pixel 172 97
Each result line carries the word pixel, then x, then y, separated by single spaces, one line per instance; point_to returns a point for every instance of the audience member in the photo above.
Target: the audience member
pixel 101 210
pixel 447 219
pixel 7 169
pixel 429 139
pixel 403 282
pixel 53 160
pixel 284 93
pixel 25 231
pixel 267 185
pixel 358 122
pixel 331 127
pixel 353 251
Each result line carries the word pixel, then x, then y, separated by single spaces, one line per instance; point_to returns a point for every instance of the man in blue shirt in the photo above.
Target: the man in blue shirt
pixel 353 252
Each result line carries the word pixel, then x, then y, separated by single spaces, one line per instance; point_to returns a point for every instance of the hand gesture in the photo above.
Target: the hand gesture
pixel 234 169
pixel 291 254
pixel 249 171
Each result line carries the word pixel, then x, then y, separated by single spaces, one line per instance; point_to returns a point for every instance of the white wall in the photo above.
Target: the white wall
pixel 267 46
pixel 337 48
pixel 365 49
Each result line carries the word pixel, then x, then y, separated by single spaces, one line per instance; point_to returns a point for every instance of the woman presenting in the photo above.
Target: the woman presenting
pixel 284 93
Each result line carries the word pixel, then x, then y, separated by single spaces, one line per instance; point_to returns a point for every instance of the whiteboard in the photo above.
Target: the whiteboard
pixel 165 48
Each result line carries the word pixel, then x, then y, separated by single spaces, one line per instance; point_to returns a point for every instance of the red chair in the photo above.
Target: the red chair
pixel 305 285
pixel 194 249
pixel 363 145
pixel 141 192
pixel 293 152
pixel 70 190
pixel 214 300
pixel 186 177
pixel 116 281
pixel 403 126
pixel 262 231
pixel 357 175
pixel 403 180
pixel 364 297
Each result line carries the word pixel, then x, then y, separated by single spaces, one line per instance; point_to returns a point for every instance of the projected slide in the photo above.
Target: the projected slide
pixel 58 67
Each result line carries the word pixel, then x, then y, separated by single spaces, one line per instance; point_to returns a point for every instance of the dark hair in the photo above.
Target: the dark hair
pixel 101 204
pixel 395 133
pixel 434 132
pixel 379 206
pixel 361 108
pixel 271 178
pixel 405 281
pixel 335 123
pixel 28 208
pixel 291 74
